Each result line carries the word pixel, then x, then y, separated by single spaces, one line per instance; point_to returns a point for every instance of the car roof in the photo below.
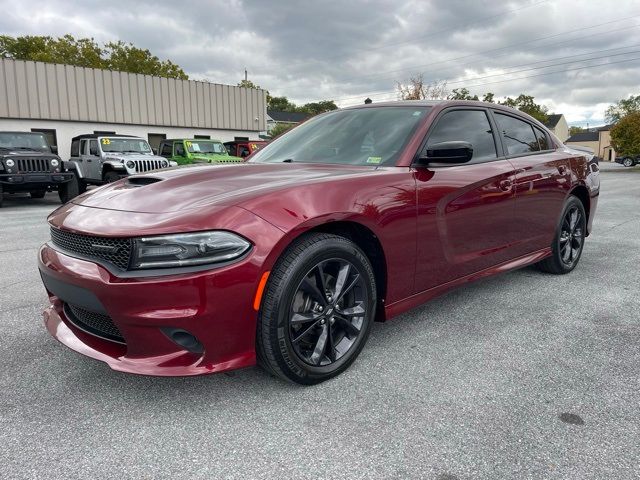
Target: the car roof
pixel 98 135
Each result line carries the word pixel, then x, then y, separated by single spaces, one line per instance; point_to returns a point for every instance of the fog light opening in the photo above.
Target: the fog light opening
pixel 185 339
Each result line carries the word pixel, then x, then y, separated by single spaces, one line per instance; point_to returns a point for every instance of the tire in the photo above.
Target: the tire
pixel 568 242
pixel 110 177
pixel 38 193
pixel 628 162
pixel 1 195
pixel 302 335
pixel 70 189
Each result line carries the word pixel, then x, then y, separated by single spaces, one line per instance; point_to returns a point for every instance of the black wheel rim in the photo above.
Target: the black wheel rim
pixel 328 311
pixel 571 236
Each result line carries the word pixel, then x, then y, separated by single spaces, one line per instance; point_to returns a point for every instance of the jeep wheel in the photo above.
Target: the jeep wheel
pixel 1 194
pixel 110 177
pixel 37 193
pixel 70 189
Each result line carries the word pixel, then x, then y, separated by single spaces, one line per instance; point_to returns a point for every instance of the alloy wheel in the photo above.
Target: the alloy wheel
pixel 571 236
pixel 327 312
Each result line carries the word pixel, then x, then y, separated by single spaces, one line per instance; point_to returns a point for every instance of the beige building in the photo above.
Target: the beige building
pixel 558 125
pixel 599 140
pixel 63 101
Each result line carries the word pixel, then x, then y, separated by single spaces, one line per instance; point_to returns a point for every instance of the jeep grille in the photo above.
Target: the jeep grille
pixel 32 165
pixel 148 165
pixel 113 250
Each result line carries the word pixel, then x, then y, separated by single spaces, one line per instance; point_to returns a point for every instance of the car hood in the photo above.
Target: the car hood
pixel 131 156
pixel 202 185
pixel 214 157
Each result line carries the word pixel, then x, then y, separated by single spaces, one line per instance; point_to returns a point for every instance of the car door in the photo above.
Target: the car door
pixel 465 211
pixel 93 159
pixel 541 184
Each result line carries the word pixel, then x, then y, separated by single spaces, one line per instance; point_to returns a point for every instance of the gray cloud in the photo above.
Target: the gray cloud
pixel 349 50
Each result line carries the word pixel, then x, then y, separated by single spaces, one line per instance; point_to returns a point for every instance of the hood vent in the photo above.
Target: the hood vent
pixel 142 181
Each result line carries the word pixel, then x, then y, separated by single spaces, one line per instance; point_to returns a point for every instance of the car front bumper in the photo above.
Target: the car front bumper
pixel 214 306
pixel 27 181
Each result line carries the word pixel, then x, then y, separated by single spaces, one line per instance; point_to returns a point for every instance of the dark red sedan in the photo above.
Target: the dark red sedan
pixel 354 216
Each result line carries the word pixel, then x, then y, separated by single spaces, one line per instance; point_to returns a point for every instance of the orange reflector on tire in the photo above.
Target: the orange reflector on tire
pixel 260 290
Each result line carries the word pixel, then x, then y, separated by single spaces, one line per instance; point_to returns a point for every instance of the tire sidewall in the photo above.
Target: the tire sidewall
pixel 569 203
pixel 283 295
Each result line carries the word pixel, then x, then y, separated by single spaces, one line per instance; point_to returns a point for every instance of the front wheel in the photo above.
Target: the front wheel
pixel 317 310
pixel 568 242
pixel 628 162
pixel 110 177
pixel 70 189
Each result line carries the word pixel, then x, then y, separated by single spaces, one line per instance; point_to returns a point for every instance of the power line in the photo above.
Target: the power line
pixel 467 79
pixel 550 73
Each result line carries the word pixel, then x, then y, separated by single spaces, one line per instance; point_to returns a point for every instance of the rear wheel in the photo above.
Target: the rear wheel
pixel 568 242
pixel 37 193
pixel 317 310
pixel 70 189
pixel 628 162
pixel 1 194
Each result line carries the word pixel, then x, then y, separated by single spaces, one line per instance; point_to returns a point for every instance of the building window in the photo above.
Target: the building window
pixel 52 139
pixel 203 137
pixel 155 139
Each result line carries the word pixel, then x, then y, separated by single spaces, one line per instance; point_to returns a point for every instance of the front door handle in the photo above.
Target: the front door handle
pixel 505 185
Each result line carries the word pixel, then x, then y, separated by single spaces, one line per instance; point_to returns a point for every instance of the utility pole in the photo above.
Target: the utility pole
pixel 245 74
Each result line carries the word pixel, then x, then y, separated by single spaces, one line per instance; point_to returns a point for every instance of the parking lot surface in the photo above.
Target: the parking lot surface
pixel 525 375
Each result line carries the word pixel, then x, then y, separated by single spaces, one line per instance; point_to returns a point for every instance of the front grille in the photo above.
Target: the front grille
pixel 148 165
pixel 113 250
pixel 33 165
pixel 94 323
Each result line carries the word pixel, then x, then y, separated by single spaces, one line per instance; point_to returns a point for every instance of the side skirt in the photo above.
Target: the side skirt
pixel 413 301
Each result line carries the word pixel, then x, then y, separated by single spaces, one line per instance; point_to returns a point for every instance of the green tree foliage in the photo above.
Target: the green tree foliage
pixel 574 129
pixel 281 104
pixel 461 94
pixel 85 52
pixel 621 108
pixel 625 135
pixel 488 97
pixel 279 129
pixel 526 104
pixel 315 108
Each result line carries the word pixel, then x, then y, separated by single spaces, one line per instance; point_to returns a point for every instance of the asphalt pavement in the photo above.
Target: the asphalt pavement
pixel 524 375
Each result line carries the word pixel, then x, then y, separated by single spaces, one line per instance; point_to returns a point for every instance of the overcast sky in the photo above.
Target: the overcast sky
pixel 348 50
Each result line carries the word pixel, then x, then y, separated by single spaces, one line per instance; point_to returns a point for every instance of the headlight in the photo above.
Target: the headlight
pixel 54 163
pixel 130 164
pixel 188 249
pixel 165 164
pixel 10 163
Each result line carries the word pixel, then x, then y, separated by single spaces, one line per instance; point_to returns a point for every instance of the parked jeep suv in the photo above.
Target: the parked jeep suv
pixel 99 159
pixel 29 164
pixel 187 150
pixel 628 160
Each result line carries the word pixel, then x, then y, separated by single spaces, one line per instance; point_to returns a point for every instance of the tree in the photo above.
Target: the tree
pixel 315 108
pixel 416 89
pixel 625 135
pixel 85 52
pixel 575 129
pixel 526 104
pixel 281 104
pixel 461 94
pixel 621 108
pixel 280 128
pixel 488 97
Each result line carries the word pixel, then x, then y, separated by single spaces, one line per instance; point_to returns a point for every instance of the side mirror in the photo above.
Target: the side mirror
pixel 447 152
pixel 54 149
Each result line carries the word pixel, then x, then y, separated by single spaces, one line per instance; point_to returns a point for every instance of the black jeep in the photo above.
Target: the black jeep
pixel 29 164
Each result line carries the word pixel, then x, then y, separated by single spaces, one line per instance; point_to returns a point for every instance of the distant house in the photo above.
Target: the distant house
pixel 598 139
pixel 558 125
pixel 275 117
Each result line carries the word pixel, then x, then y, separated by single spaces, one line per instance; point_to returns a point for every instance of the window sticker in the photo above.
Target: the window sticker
pixel 375 160
pixel 106 141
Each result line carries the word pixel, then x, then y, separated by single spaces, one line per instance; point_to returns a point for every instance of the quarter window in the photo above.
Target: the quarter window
pixel 518 135
pixel 75 148
pixel 165 150
pixel 543 141
pixel 179 149
pixel 468 126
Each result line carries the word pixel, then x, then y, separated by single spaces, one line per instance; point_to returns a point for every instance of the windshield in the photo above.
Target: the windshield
pixel 364 136
pixel 124 145
pixel 24 141
pixel 199 146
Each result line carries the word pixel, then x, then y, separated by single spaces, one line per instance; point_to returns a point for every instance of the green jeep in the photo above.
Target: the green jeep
pixel 196 150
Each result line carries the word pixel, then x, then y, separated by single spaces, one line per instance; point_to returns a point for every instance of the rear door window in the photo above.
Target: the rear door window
pixel 517 135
